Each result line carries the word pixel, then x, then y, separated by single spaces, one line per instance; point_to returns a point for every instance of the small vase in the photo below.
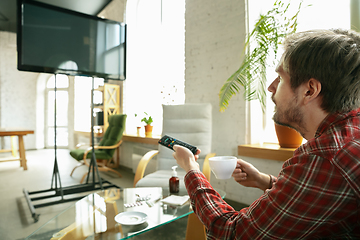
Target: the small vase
pixel 288 137
pixel 138 130
pixel 148 130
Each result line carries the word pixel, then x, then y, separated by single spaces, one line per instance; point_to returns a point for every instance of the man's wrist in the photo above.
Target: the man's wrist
pixel 264 181
pixel 272 180
pixel 193 167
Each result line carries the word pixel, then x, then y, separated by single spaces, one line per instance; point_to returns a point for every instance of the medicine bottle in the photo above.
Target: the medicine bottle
pixel 174 181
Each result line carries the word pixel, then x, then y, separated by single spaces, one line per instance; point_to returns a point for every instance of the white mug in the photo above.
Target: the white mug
pixel 223 166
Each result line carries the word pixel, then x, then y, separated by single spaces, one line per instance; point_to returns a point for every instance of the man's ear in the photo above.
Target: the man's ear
pixel 312 90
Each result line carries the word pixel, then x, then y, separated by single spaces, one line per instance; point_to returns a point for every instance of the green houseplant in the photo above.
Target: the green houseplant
pixel 148 120
pixel 261 45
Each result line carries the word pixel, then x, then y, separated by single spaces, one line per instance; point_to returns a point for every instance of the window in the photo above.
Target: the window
pixel 62 100
pixel 82 102
pixel 336 15
pixel 156 59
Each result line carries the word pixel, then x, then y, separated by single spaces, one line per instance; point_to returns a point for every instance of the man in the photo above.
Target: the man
pixel 317 193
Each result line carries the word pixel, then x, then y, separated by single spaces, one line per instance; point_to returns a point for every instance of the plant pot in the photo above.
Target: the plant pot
pixel 288 137
pixel 148 130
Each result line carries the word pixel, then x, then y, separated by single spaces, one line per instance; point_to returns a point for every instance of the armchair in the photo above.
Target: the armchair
pixel 105 150
pixel 190 123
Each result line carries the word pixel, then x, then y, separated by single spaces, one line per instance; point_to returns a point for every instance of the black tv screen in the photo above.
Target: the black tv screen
pixel 56 40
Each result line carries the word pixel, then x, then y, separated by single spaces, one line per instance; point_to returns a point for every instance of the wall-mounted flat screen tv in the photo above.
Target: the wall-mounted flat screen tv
pixel 56 40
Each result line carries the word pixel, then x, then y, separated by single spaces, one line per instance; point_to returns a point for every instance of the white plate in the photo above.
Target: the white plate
pixel 130 218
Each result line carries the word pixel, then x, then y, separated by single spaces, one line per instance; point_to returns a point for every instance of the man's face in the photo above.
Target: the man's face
pixel 287 109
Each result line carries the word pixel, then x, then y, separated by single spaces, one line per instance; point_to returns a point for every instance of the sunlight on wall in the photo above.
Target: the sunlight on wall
pixel 155 62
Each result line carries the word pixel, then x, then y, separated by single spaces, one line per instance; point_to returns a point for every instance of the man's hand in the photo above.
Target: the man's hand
pixel 247 175
pixel 185 158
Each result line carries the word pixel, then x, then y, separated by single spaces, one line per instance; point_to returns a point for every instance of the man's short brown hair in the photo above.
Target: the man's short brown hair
pixel 333 58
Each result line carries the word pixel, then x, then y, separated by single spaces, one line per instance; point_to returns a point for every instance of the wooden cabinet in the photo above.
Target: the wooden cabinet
pixel 109 106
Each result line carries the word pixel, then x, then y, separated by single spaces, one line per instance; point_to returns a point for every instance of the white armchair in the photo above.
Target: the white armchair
pixel 191 123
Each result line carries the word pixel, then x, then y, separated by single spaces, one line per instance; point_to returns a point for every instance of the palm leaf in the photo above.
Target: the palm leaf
pixel 269 31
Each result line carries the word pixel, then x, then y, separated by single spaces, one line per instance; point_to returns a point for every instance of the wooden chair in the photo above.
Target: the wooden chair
pixel 105 150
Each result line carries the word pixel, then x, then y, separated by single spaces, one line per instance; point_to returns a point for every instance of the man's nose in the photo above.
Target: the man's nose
pixel 272 87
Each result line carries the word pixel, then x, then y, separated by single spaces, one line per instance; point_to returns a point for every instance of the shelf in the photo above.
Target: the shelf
pixel 141 139
pixel 270 151
pixel 264 151
pixel 88 134
pixel 129 138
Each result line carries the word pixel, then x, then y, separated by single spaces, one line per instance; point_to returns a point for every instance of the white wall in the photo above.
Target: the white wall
pixel 215 32
pixel 214 37
pixel 115 10
pixel 22 96
pixel 17 91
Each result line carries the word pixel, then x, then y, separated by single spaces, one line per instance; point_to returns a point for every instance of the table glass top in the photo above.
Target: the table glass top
pixel 114 214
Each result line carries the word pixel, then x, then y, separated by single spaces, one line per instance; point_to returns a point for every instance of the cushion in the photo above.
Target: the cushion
pixel 191 123
pixel 78 154
pixel 114 132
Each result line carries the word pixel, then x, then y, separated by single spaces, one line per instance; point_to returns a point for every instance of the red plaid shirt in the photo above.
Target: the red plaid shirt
pixel 316 195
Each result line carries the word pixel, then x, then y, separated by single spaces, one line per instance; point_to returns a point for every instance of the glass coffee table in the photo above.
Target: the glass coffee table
pixel 114 214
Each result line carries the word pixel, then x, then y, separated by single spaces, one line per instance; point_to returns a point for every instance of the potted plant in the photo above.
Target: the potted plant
pixel 148 120
pixel 269 31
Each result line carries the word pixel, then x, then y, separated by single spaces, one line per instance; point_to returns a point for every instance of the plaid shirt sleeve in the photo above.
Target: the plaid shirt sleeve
pixel 309 199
